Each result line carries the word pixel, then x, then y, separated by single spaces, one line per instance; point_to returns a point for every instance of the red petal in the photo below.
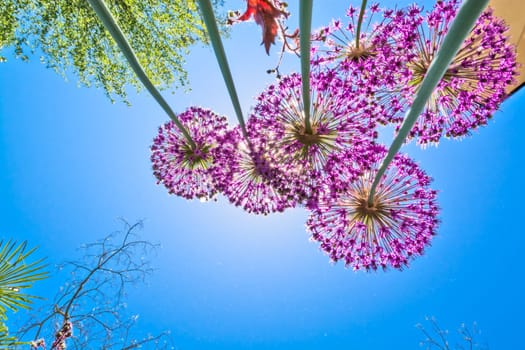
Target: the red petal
pixel 266 15
pixel 250 10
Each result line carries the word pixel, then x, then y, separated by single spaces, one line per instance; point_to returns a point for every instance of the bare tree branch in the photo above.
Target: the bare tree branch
pixel 438 338
pixel 88 312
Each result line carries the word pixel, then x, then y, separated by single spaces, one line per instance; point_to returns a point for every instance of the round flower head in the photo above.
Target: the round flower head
pixel 247 177
pixel 381 51
pixel 186 171
pixel 340 118
pixel 473 86
pixel 398 223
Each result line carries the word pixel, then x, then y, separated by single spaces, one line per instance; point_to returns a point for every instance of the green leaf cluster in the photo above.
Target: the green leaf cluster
pixel 16 274
pixel 71 39
pixel 7 341
pixel 8 25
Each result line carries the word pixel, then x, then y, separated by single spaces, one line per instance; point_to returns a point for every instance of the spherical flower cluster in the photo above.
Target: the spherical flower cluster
pixel 186 170
pixel 381 52
pixel 394 226
pixel 473 86
pixel 340 119
pixel 328 161
pixel 248 176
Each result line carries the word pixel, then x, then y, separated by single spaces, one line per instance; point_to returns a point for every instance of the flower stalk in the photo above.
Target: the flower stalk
pixel 113 28
pixel 360 23
pixel 216 42
pixel 458 32
pixel 305 27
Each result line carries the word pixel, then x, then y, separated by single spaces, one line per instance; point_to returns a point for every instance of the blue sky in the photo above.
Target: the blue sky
pixel 71 163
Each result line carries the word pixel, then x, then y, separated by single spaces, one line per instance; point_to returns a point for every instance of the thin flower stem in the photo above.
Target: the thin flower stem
pixel 305 27
pixel 113 28
pixel 360 23
pixel 216 42
pixel 458 32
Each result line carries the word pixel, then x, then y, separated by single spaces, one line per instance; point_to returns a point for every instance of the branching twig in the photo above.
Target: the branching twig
pixel 437 338
pixel 89 308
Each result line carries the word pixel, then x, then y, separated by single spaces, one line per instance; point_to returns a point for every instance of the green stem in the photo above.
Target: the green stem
pixel 360 23
pixel 305 27
pixel 458 32
pixel 218 48
pixel 113 28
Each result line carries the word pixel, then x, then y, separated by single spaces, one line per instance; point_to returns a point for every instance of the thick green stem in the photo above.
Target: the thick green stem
pixel 216 42
pixel 360 23
pixel 305 27
pixel 458 32
pixel 113 28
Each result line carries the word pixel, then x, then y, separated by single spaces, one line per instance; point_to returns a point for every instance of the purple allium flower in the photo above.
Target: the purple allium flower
pixel 382 50
pixel 187 171
pixel 398 225
pixel 340 118
pixel 472 88
pixel 247 177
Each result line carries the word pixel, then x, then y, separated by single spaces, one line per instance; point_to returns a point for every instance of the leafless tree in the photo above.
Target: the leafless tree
pixel 438 338
pixel 89 310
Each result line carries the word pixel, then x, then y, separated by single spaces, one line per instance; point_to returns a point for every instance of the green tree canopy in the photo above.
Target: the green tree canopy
pixel 71 39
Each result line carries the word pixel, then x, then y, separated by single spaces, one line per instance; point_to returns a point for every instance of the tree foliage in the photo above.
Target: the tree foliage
pixel 71 39
pixel 6 340
pixel 16 275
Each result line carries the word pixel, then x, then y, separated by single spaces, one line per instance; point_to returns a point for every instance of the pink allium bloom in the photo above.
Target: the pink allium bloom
pixel 340 118
pixel 472 88
pixel 187 171
pixel 381 54
pixel 397 226
pixel 247 176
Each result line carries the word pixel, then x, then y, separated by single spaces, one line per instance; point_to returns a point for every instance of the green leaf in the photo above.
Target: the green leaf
pixel 17 274
pixel 7 341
